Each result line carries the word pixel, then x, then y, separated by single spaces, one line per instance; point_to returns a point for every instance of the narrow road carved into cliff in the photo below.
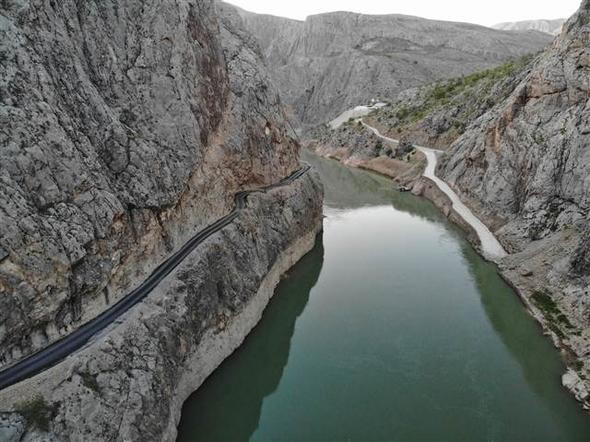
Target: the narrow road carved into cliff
pixel 59 350
pixel 490 245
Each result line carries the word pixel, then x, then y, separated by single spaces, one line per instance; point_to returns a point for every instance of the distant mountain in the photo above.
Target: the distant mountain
pixel 552 27
pixel 336 61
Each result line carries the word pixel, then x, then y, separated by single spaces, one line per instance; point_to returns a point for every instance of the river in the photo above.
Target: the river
pixel 392 328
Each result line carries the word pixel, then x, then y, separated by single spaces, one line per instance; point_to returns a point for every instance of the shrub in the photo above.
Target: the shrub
pixel 556 320
pixel 90 382
pixel 402 113
pixel 545 303
pixel 37 412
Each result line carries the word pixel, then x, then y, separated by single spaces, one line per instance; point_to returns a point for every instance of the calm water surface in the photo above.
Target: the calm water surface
pixel 392 328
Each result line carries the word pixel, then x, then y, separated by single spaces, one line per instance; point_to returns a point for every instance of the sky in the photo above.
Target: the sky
pixel 483 12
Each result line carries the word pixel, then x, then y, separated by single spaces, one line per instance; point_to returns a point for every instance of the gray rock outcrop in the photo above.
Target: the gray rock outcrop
pixel 126 127
pixel 526 160
pixel 525 166
pixel 335 61
pixel 356 146
pixel 130 384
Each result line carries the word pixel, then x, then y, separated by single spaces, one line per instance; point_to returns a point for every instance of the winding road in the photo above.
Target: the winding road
pixel 59 350
pixel 491 247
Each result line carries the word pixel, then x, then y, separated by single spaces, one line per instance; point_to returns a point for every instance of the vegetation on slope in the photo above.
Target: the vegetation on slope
pixel 439 113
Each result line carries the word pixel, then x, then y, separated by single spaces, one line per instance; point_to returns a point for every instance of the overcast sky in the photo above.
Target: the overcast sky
pixel 483 12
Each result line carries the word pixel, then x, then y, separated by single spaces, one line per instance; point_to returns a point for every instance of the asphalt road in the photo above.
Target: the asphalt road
pixel 59 350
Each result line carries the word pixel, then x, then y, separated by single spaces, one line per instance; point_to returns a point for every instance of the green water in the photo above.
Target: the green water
pixel 392 328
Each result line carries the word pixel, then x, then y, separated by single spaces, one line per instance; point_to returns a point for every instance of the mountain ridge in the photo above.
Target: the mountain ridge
pixel 552 26
pixel 334 61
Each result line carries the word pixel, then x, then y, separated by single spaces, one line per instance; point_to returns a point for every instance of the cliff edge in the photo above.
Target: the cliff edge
pixel 126 127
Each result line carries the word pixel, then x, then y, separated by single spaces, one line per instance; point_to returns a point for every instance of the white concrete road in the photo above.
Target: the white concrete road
pixel 491 247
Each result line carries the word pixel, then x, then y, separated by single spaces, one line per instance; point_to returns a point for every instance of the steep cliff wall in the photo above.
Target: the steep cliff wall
pixel 130 384
pixel 525 166
pixel 333 62
pixel 126 126
pixel 527 161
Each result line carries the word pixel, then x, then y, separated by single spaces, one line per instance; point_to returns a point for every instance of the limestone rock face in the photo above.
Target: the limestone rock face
pixel 526 165
pixel 527 159
pixel 12 427
pixel 351 137
pixel 336 61
pixel 131 383
pixel 126 126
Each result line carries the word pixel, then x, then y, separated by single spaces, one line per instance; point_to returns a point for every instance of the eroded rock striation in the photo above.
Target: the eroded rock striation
pixel 333 62
pixel 130 384
pixel 126 127
pixel 525 166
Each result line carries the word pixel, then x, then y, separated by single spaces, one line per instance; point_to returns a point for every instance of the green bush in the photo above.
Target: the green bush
pixel 556 320
pixel 402 113
pixel 545 303
pixel 37 412
pixel 90 382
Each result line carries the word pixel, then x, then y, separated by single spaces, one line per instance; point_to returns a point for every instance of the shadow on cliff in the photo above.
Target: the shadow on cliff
pixel 229 403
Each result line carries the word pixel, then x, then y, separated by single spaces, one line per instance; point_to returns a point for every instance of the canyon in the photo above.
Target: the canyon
pixel 129 127
pixel 515 142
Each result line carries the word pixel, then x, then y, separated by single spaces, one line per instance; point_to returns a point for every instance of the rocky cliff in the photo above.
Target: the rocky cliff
pixel 335 61
pixel 552 27
pixel 130 384
pixel 126 127
pixel 434 115
pixel 525 166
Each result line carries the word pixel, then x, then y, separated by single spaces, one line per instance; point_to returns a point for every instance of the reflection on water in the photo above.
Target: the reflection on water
pixel 348 188
pixel 540 365
pixel 256 368
pixel 393 328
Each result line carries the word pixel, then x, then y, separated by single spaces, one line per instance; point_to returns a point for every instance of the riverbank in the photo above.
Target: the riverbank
pixel 490 246
pixel 130 383
pixel 530 272
pixel 408 173
pixel 518 270
pixel 393 328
